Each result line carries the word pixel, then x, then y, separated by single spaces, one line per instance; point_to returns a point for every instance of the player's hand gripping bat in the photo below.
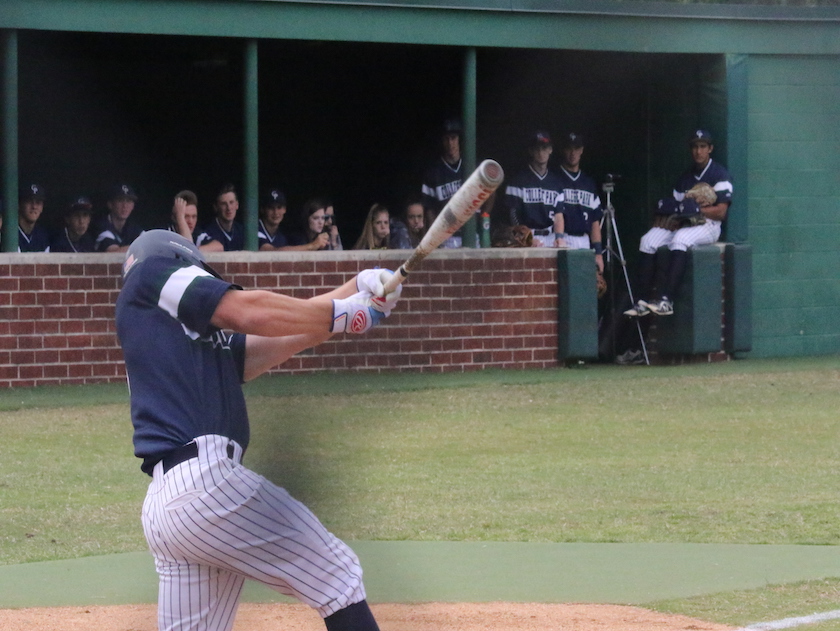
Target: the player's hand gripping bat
pixel 460 207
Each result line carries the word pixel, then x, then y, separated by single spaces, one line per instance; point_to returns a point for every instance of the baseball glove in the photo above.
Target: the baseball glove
pixel 600 283
pixel 703 194
pixel 673 215
pixel 513 237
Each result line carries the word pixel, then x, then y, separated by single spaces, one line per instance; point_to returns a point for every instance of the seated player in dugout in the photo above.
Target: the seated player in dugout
pixel 117 230
pixel 185 222
pixel 682 223
pixel 582 210
pixel 74 235
pixel 32 235
pixel 225 228
pixel 534 196
pixel 190 339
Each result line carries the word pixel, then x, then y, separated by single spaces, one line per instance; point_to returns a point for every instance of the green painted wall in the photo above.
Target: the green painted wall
pixel 794 203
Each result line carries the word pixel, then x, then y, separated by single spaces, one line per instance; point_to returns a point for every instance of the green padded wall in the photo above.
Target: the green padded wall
pixel 577 305
pixel 794 203
pixel 695 326
pixel 737 290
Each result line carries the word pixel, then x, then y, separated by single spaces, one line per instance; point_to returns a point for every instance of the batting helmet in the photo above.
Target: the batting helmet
pixel 165 244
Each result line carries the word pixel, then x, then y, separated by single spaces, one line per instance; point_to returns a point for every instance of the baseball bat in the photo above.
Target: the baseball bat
pixel 460 207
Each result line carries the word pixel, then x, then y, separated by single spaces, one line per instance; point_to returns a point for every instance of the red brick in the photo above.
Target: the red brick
pixel 55 370
pixel 78 283
pixel 21 327
pixel 30 371
pixel 9 283
pixel 72 269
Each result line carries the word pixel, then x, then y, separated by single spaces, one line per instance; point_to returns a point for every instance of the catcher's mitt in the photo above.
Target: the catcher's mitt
pixel 513 237
pixel 703 194
pixel 600 283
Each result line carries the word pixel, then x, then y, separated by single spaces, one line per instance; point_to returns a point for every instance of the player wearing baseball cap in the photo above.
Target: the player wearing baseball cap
pixel 582 204
pixel 190 339
pixel 669 272
pixel 32 236
pixel 534 196
pixel 74 236
pixel 444 177
pixel 117 230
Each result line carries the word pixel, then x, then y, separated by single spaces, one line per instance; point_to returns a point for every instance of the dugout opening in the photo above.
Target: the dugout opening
pixel 354 121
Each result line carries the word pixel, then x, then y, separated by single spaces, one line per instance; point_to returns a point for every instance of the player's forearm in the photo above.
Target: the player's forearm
pixel 272 315
pixel 716 212
pixel 264 353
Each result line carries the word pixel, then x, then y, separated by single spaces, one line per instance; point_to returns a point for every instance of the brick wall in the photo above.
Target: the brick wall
pixel 464 310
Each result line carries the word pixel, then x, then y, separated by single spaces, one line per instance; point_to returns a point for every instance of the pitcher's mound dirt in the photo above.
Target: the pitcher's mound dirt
pixel 391 617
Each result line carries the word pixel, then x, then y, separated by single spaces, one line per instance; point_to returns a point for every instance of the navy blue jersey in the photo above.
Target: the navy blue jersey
pixel 107 235
pixel 61 242
pixel 199 237
pixel 714 174
pixel 440 182
pixel 277 240
pixel 233 240
pixel 533 199
pixel 184 375
pixel 581 205
pixel 36 241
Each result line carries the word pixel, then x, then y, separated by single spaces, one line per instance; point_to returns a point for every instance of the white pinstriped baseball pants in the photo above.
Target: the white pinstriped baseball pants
pixel 681 239
pixel 211 523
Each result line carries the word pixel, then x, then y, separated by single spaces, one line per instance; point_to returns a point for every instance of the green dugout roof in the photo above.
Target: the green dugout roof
pixel 573 24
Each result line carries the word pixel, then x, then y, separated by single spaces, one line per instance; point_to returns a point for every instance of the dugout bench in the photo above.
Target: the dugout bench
pixel 712 312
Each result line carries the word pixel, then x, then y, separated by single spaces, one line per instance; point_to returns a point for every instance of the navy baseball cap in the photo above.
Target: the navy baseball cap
pixel 274 197
pixel 32 191
pixel 573 139
pixel 122 190
pixel 451 126
pixel 701 135
pixel 540 137
pixel 79 204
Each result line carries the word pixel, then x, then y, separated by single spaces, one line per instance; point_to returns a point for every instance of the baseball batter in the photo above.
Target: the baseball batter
pixel 669 274
pixel 190 339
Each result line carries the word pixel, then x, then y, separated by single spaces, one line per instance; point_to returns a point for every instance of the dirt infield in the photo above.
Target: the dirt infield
pixel 391 617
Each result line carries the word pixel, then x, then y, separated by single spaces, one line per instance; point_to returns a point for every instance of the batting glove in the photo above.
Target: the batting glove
pixel 373 281
pixel 356 314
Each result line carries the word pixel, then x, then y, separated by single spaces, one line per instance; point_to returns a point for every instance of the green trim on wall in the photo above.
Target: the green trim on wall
pixel 9 126
pixel 737 136
pixel 517 27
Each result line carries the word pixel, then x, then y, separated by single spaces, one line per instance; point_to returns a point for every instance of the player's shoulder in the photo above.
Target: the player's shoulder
pixel 717 171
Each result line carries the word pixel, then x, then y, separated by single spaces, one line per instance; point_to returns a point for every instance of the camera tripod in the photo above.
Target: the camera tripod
pixel 613 252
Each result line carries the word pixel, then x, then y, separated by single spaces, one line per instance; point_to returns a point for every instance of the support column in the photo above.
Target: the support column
pixel 9 126
pixel 468 151
pixel 251 156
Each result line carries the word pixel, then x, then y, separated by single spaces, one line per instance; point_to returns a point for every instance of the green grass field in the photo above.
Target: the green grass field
pixel 741 452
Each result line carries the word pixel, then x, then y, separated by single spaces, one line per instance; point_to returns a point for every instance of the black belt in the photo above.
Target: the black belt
pixel 543 232
pixel 184 453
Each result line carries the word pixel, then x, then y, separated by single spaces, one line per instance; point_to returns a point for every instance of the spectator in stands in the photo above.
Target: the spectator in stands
pixel 444 177
pixel 75 235
pixel 376 234
pixel 32 236
pixel 312 235
pixel 332 227
pixel 184 221
pixel 117 230
pixel 224 228
pixel 534 196
pixel 407 232
pixel 659 277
